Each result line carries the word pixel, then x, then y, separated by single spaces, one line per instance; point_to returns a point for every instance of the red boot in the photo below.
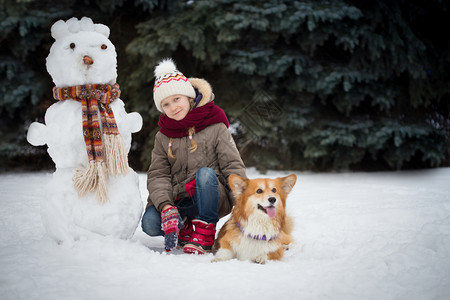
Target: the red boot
pixel 202 239
pixel 185 234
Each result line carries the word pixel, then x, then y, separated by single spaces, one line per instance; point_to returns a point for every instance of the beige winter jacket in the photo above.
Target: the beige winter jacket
pixel 167 177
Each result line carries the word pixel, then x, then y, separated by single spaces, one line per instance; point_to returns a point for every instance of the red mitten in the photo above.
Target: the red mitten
pixel 171 223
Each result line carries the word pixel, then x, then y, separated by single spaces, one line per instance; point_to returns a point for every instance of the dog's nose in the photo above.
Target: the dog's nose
pixel 272 200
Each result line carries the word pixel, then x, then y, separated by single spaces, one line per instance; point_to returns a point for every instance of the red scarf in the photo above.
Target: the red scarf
pixel 200 118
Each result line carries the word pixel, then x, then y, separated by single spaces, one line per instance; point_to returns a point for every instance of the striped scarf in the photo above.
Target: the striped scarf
pixel 104 145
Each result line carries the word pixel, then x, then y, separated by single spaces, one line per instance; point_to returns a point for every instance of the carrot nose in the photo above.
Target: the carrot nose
pixel 88 60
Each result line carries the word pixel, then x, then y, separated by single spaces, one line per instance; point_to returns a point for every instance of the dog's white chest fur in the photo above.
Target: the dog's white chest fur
pixel 258 239
pixel 252 246
pixel 254 250
pixel 258 224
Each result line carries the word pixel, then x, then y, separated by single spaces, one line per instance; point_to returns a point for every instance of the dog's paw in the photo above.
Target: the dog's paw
pixel 261 259
pixel 287 247
pixel 222 255
pixel 217 259
pixel 290 246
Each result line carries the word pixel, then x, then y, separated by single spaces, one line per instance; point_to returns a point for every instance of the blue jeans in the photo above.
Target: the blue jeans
pixel 203 206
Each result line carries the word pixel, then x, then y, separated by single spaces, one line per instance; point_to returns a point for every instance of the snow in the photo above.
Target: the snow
pixel 382 235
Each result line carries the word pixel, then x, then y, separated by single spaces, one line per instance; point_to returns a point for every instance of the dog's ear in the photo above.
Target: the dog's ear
pixel 288 183
pixel 237 184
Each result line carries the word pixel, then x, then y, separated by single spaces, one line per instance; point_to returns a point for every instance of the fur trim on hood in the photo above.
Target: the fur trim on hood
pixel 204 88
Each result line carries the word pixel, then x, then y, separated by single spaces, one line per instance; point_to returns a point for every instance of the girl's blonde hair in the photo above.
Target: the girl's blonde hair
pixel 191 132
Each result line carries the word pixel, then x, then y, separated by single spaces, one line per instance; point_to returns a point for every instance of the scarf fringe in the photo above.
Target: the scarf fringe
pixel 116 158
pixel 101 191
pixel 91 179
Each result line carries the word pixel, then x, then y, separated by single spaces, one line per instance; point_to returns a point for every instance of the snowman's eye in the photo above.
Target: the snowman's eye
pixel 72 45
pixel 104 47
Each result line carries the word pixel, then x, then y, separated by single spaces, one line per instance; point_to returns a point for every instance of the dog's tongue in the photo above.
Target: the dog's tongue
pixel 271 211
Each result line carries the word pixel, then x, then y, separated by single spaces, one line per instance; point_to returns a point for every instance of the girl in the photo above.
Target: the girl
pixel 193 155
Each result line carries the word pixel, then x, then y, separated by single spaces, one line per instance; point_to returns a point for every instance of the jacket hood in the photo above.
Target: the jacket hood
pixel 204 88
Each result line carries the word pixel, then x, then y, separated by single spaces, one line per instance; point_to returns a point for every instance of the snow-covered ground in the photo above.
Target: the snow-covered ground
pixel 383 235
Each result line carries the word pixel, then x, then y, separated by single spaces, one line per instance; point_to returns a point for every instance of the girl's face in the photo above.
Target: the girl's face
pixel 176 107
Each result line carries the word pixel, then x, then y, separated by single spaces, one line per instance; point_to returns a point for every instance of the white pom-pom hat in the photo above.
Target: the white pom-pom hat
pixel 169 81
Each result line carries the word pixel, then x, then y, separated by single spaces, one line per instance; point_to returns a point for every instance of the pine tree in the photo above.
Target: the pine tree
pixel 346 85
pixel 21 85
pixel 313 85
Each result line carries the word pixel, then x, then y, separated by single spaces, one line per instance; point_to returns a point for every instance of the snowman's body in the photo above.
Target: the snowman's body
pixel 82 54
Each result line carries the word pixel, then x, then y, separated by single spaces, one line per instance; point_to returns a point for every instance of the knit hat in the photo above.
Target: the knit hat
pixel 169 81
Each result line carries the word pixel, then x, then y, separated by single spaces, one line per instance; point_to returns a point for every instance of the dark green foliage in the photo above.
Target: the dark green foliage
pixel 351 79
pixel 315 85
pixel 23 29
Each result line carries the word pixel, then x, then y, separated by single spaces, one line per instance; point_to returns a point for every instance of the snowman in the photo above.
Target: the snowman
pixel 88 133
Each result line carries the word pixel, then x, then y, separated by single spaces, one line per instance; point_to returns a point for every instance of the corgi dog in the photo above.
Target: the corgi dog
pixel 258 229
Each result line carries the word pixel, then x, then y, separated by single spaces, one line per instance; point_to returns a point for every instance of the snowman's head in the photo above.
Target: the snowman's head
pixel 81 54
